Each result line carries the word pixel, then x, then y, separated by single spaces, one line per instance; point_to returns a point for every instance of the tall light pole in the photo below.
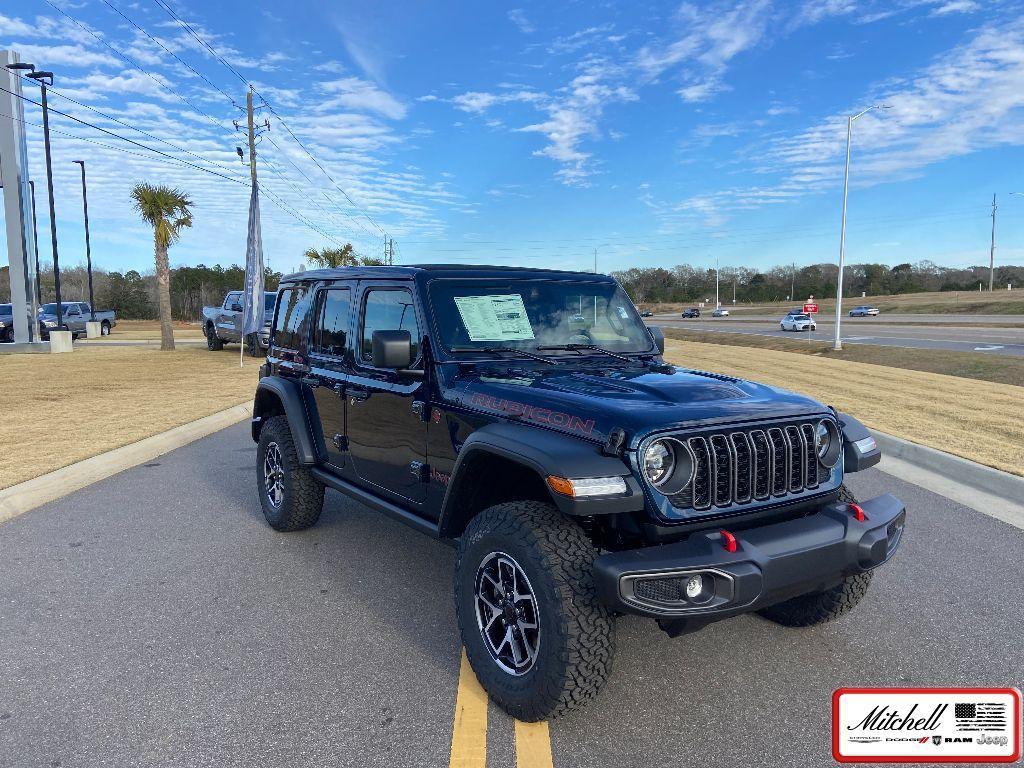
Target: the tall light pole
pixel 88 249
pixel 35 239
pixel 602 245
pixel 717 302
pixel 42 78
pixel 837 344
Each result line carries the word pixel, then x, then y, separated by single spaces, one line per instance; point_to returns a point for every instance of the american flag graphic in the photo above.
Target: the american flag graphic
pixel 982 716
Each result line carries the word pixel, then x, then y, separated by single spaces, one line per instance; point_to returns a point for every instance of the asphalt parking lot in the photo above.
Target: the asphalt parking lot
pixel 153 619
pixel 968 338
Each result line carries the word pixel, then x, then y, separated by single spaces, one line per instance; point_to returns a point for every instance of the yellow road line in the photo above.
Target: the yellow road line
pixel 533 745
pixel 469 736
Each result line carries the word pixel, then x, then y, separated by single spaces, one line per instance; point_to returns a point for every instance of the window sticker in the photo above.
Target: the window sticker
pixel 495 318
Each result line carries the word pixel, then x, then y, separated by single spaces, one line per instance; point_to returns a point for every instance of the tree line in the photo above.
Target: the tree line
pixel 685 283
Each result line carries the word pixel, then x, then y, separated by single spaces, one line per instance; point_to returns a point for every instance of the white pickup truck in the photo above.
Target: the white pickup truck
pixel 74 316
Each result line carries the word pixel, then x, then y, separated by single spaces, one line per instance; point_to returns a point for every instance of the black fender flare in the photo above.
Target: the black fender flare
pixel 289 395
pixel 547 453
pixel 854 458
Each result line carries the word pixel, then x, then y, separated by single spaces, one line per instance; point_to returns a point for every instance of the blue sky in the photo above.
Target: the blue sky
pixel 657 133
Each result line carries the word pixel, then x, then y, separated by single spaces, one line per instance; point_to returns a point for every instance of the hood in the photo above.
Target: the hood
pixel 591 402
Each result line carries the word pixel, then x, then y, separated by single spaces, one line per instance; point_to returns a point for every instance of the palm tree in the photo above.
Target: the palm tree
pixel 167 211
pixel 332 257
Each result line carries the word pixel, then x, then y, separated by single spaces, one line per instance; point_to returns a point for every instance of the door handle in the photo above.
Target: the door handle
pixel 358 395
pixel 310 381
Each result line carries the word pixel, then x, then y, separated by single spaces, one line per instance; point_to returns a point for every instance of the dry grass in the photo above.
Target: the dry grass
pixel 977 420
pixel 59 409
pixel 148 330
pixel 1001 369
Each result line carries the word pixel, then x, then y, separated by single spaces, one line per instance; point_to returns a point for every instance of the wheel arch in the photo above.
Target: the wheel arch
pixel 276 396
pixel 515 462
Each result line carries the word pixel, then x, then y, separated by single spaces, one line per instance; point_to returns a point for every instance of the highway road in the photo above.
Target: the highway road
pixel 153 619
pixel 995 341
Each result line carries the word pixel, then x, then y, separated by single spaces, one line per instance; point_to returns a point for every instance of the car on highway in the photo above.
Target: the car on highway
pixel 222 324
pixel 799 322
pixel 577 473
pixel 720 312
pixel 74 316
pixel 691 312
pixel 864 311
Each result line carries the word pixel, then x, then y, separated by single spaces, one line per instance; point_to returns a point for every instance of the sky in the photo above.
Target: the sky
pixel 544 134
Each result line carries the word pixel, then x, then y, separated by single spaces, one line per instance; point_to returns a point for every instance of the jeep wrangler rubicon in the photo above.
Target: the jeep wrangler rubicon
pixel 527 417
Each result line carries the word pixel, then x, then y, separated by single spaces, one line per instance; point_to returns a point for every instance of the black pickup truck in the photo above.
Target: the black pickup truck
pixel 528 418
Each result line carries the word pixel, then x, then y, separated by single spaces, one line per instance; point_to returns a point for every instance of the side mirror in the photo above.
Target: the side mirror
pixel 236 307
pixel 392 349
pixel 659 338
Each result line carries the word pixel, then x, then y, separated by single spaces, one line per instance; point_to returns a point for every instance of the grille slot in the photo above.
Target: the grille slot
pixel 659 590
pixel 752 465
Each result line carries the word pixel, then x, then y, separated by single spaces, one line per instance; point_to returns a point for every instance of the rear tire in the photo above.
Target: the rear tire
pixel 213 343
pixel 104 328
pixel 821 607
pixel 291 497
pixel 574 643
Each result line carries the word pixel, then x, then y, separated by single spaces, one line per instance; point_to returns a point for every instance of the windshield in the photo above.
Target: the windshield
pixel 528 314
pixel 5 309
pixel 801 317
pixel 51 309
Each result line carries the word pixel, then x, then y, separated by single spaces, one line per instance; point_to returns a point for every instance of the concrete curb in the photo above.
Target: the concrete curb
pixel 963 471
pixel 19 499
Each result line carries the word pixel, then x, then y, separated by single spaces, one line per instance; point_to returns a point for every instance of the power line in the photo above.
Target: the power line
pixel 270 106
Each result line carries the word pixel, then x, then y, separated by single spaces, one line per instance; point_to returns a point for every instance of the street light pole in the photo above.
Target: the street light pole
pixel 837 344
pixel 88 249
pixel 35 239
pixel 42 78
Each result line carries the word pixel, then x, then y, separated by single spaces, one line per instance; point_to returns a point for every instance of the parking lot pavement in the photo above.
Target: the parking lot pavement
pixel 996 341
pixel 154 619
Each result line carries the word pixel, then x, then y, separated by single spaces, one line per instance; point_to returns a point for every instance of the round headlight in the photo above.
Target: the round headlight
pixel 826 443
pixel 659 459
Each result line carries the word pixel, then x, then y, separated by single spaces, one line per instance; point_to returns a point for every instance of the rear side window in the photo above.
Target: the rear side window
pixel 289 327
pixel 388 310
pixel 232 298
pixel 332 321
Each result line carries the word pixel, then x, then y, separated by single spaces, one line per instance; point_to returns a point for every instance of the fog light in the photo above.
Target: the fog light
pixel 694 586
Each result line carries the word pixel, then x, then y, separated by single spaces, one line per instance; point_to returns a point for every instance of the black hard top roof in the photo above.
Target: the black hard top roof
pixel 447 270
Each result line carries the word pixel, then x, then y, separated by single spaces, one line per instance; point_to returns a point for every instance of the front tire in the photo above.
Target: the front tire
pixel 104 328
pixel 291 497
pixel 213 343
pixel 536 635
pixel 821 607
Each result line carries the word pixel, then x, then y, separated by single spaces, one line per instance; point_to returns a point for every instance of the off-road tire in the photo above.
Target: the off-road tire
pixel 104 328
pixel 820 607
pixel 577 632
pixel 303 494
pixel 213 343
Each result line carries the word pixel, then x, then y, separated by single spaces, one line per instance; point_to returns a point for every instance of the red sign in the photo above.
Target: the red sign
pixel 810 309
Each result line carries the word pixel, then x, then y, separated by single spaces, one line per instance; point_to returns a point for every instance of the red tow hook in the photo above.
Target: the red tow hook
pixel 857 512
pixel 729 541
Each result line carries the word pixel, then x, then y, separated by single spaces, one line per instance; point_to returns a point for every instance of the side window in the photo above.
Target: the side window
pixel 388 310
pixel 288 323
pixel 232 298
pixel 332 321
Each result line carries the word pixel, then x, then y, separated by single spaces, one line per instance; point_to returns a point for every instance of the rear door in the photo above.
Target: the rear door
pixel 330 361
pixel 385 412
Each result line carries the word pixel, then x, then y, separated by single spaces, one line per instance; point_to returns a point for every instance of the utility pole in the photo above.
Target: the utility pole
pixel 391 251
pixel 88 248
pixel 252 136
pixel 792 283
pixel 717 302
pixel 992 249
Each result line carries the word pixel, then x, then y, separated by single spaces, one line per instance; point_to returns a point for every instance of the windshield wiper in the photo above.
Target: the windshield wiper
pixel 592 347
pixel 509 350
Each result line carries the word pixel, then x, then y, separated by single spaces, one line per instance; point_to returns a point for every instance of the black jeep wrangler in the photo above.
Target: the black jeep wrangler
pixel 527 417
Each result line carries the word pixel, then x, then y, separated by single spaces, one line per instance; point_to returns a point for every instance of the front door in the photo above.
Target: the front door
pixel 330 363
pixel 386 431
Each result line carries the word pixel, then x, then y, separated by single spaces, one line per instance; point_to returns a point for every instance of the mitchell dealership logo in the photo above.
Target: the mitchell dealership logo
pixel 926 725
pixel 885 719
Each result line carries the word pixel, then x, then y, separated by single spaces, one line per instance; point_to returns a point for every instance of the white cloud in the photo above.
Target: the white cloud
pixel 518 17
pixel 357 94
pixel 63 56
pixel 956 6
pixel 479 101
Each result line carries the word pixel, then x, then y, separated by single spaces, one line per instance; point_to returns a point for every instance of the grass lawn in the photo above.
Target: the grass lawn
pixel 1001 369
pixel 59 409
pixel 978 420
pixel 146 330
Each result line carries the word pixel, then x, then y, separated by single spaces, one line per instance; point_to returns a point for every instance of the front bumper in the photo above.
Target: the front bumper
pixel 772 563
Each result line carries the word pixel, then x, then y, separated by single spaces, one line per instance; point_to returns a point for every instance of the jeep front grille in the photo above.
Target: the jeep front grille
pixel 757 464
